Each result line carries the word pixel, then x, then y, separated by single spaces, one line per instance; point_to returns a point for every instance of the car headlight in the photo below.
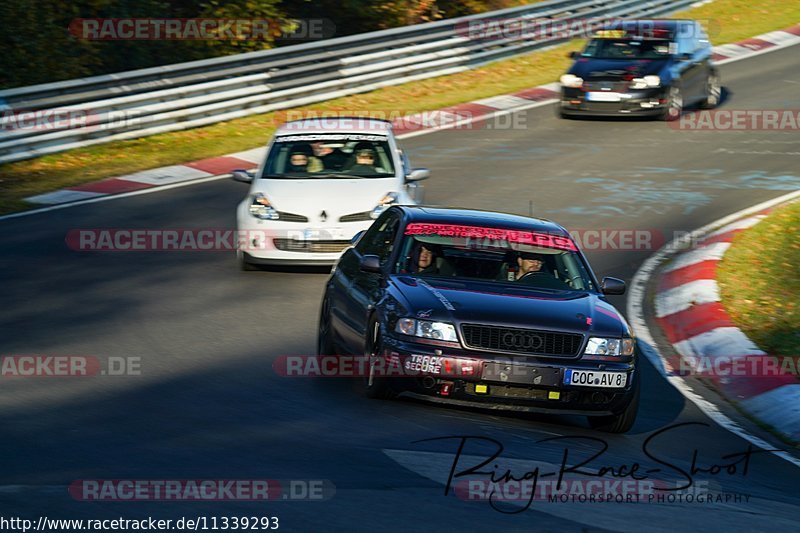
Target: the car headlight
pixel 440 331
pixel 571 80
pixel 605 346
pixel 646 82
pixel 261 208
pixel 383 204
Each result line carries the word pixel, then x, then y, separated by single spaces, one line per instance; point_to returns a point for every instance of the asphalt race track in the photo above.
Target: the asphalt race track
pixel 208 404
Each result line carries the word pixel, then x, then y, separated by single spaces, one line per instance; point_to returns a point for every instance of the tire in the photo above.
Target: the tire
pixel 713 92
pixel 674 108
pixel 375 387
pixel 622 422
pixel 244 265
pixel 324 338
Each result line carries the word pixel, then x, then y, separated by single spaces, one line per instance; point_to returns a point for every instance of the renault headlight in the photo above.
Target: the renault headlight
pixel 606 346
pixel 383 204
pixel 440 331
pixel 571 80
pixel 261 208
pixel 646 82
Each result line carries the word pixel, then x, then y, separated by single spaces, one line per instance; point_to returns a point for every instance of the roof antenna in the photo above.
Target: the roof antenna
pixel 530 208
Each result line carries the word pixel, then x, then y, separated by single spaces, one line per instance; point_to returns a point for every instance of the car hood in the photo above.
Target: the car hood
pixel 491 303
pixel 616 69
pixel 336 197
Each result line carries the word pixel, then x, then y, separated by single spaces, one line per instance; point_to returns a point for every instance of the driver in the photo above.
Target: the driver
pixel 423 260
pixel 529 263
pixel 365 160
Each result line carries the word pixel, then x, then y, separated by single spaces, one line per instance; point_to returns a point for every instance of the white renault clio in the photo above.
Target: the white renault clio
pixel 322 181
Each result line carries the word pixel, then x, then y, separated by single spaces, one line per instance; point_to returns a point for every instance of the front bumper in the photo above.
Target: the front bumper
pixel 648 102
pixel 520 383
pixel 277 242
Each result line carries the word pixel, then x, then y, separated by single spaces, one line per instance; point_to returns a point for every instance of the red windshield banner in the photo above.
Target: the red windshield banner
pixel 546 240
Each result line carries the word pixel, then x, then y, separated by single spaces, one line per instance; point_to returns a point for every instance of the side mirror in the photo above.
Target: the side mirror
pixel 357 236
pixel 574 54
pixel 418 174
pixel 612 286
pixel 371 263
pixel 242 175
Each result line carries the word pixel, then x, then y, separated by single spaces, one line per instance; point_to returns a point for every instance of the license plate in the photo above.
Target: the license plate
pixel 603 97
pixel 522 374
pixel 312 234
pixel 592 378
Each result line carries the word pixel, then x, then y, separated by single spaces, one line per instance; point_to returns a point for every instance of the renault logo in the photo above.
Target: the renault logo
pixel 522 340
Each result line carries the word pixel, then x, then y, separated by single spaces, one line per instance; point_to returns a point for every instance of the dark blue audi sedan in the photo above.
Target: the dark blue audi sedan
pixel 642 67
pixel 485 309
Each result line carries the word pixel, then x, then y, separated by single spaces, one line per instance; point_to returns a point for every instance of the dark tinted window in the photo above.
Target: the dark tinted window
pixel 627 49
pixel 380 236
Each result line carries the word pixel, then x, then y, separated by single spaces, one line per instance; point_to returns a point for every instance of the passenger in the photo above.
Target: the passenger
pixel 326 158
pixel 298 159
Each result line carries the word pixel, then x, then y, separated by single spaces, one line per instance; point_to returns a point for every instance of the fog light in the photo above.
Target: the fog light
pixel 553 395
pixel 480 388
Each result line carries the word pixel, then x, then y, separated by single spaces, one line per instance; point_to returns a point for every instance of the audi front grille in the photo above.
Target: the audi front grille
pixel 523 341
pixel 314 247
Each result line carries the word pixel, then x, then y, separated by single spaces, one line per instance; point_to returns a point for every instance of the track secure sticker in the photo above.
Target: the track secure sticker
pixel 424 363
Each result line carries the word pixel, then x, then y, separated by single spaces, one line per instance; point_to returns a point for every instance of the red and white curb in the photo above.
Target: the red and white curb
pixel 419 124
pixel 156 177
pixel 450 117
pixel 688 310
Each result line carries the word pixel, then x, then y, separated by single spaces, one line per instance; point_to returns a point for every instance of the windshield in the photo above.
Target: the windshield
pixel 334 155
pixel 627 49
pixel 526 259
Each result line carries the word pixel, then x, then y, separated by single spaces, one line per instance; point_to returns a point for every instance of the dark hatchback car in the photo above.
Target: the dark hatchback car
pixel 484 309
pixel 642 67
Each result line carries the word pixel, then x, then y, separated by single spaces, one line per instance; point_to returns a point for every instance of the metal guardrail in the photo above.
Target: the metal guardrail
pixel 156 100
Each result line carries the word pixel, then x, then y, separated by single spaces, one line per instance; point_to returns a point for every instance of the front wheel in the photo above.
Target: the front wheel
pixel 713 92
pixel 324 336
pixel 244 265
pixel 374 386
pixel 674 105
pixel 622 422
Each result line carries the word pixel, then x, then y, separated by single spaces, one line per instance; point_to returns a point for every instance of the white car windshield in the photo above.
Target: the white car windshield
pixel 329 155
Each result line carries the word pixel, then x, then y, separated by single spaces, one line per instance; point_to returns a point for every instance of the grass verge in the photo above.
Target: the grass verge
pixel 759 284
pixel 727 21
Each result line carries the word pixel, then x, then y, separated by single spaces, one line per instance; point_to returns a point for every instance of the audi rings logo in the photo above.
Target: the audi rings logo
pixel 522 341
